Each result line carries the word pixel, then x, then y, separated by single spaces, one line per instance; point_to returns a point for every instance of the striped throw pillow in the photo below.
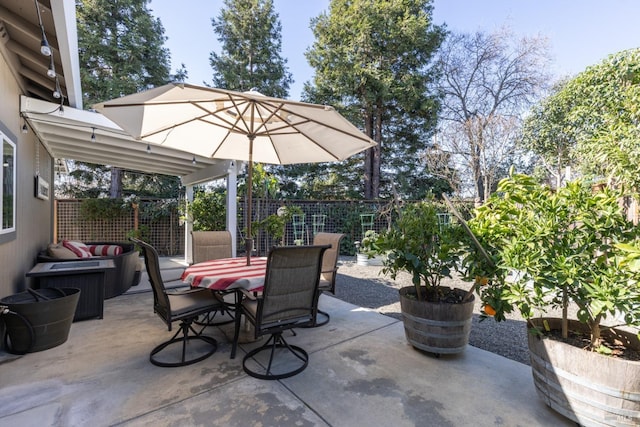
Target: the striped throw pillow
pixel 105 250
pixel 78 248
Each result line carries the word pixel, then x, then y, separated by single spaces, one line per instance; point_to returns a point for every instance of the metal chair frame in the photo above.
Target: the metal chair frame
pixel 289 300
pixel 329 268
pixel 188 306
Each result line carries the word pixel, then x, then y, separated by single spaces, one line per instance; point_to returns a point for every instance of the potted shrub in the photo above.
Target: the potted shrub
pixel 563 249
pixel 436 318
pixel 367 250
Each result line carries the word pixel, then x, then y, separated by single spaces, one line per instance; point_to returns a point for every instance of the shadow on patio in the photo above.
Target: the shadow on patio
pixel 361 372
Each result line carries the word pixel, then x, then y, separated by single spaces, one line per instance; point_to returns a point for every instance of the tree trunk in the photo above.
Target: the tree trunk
pixel 368 158
pixel 377 150
pixel 115 192
pixel 477 178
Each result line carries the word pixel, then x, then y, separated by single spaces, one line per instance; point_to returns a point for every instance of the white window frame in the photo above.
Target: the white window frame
pixel 4 139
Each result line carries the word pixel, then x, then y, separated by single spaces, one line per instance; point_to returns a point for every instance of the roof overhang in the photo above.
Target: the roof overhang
pixel 67 134
pixel 20 37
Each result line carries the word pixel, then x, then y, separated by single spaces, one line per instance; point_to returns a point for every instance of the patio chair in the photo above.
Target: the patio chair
pixel 329 267
pixel 207 246
pixel 289 300
pixel 184 307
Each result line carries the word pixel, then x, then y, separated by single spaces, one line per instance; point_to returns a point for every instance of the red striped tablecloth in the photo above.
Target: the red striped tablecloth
pixel 227 273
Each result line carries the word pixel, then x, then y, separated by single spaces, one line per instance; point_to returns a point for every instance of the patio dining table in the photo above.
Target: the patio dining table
pixel 230 275
pixel 227 274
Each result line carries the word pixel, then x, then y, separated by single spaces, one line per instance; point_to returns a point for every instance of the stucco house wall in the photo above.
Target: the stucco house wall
pixel 33 216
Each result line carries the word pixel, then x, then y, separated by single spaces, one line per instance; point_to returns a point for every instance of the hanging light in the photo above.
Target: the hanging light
pixel 148 148
pixel 61 110
pixel 45 49
pixel 24 127
pixel 193 161
pixel 93 134
pixel 44 46
pixel 57 93
pixel 51 72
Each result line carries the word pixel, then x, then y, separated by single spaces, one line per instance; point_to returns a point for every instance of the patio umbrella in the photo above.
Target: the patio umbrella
pixel 245 126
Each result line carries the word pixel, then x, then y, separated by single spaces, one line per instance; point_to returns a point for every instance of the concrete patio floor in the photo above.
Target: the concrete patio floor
pixel 361 372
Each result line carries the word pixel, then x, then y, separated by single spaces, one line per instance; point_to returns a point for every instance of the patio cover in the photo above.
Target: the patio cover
pixel 67 135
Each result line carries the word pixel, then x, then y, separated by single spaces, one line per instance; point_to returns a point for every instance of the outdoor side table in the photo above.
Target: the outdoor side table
pixel 88 276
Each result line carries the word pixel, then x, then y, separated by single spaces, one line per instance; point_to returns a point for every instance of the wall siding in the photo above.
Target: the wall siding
pixel 33 216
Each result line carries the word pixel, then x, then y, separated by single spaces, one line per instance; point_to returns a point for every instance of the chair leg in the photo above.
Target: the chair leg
pixel 185 327
pixel 324 321
pixel 209 319
pixel 236 334
pixel 227 311
pixel 274 342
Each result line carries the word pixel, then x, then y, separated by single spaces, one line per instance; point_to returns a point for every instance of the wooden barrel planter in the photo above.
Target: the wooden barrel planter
pixel 40 319
pixel 440 328
pixel 586 387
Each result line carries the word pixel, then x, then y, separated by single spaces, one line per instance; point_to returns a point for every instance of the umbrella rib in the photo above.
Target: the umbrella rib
pixel 157 131
pixel 305 120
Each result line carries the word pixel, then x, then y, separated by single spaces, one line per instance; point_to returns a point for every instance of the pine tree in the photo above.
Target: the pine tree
pixel 372 61
pixel 121 52
pixel 250 34
pixel 121 49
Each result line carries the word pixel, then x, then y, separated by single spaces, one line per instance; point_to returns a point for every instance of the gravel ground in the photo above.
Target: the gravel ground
pixel 366 287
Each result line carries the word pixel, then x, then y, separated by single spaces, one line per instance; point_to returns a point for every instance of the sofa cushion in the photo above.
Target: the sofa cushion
pixel 78 248
pixel 105 250
pixel 56 250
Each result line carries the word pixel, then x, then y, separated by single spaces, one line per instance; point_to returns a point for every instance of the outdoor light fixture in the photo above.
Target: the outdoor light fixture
pixel 93 134
pixel 148 148
pixel 24 128
pixel 44 46
pixel 57 92
pixel 193 161
pixel 45 49
pixel 51 72
pixel 61 110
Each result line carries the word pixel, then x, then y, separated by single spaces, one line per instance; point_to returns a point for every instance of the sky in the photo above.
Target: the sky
pixel 580 32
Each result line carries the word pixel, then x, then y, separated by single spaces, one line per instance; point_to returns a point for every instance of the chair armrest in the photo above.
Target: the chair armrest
pixel 188 290
pixel 249 294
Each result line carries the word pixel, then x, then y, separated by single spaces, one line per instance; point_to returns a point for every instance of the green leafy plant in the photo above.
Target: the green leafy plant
pixel 275 224
pixel 549 248
pixel 207 211
pixel 369 244
pixel 142 233
pixel 103 209
pixel 416 244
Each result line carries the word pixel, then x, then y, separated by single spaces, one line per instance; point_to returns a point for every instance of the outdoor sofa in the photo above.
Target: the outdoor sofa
pixel 118 280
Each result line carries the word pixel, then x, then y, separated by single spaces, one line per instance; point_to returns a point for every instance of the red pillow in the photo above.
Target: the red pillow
pixel 78 248
pixel 105 250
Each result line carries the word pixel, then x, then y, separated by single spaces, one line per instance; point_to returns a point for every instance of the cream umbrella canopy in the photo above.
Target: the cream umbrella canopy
pixel 246 126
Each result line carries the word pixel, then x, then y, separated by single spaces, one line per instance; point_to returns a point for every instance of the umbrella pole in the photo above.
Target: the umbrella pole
pixel 249 239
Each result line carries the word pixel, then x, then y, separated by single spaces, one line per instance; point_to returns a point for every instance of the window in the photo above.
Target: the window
pixel 8 186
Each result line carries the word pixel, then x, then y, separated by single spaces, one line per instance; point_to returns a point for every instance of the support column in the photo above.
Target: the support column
pixel 232 205
pixel 188 226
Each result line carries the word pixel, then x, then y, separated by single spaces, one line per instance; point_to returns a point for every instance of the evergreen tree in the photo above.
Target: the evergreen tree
pixel 121 52
pixel 121 49
pixel 250 34
pixel 372 60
